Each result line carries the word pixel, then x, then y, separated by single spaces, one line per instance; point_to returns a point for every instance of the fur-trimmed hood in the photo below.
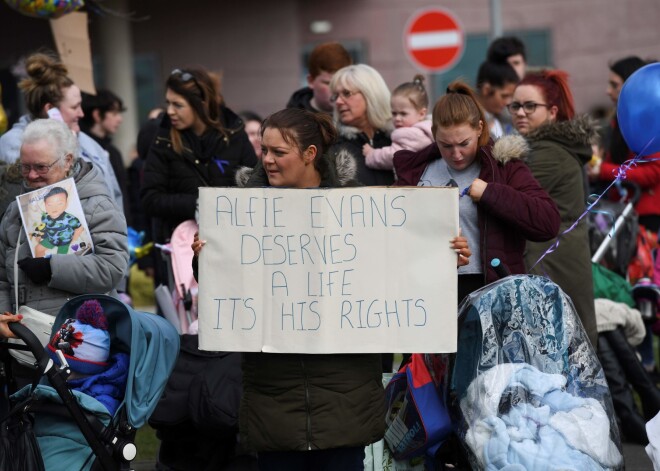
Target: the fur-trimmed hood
pixel 350 132
pixel 510 147
pixel 338 170
pixel 576 135
pixel 582 130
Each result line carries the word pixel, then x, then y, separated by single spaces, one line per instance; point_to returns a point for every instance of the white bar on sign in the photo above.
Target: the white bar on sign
pixel 434 40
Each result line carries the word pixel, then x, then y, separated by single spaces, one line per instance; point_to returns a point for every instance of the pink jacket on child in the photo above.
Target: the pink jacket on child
pixel 414 138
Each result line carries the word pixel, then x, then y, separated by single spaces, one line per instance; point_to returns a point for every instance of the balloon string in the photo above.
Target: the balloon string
pixel 620 175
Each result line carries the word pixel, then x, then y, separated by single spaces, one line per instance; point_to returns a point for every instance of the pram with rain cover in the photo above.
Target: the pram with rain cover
pixel 75 431
pixel 527 388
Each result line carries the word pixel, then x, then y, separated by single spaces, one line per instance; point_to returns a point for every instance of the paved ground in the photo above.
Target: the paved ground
pixel 636 458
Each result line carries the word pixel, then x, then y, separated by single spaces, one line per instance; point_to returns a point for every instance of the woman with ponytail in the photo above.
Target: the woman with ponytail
pixel 200 142
pixel 503 205
pixel 542 111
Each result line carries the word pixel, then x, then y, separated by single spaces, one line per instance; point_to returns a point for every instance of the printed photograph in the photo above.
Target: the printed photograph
pixel 54 220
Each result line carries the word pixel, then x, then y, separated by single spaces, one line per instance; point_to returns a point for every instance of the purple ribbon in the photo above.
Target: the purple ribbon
pixel 620 174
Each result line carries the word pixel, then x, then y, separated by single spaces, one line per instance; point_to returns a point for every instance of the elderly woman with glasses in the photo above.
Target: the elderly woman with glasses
pixel 200 142
pixel 542 111
pixel 48 156
pixel 363 115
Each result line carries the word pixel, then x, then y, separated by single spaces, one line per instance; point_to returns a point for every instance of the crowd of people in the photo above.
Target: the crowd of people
pixel 514 145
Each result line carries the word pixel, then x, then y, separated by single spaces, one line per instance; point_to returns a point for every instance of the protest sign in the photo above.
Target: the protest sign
pixel 343 270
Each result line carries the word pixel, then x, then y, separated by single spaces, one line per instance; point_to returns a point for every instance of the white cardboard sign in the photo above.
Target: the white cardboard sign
pixel 346 270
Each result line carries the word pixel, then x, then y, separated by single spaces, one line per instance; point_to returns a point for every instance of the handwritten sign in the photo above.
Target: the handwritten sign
pixel 347 270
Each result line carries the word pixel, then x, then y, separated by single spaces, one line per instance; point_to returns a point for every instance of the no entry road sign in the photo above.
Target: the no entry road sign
pixel 434 39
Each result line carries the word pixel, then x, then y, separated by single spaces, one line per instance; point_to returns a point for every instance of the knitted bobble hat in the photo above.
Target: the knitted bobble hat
pixel 84 341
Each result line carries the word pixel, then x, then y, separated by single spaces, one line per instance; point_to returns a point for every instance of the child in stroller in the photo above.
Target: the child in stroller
pixel 84 434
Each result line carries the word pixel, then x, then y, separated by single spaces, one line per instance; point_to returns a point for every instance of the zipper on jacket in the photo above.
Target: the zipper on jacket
pixel 484 258
pixel 308 410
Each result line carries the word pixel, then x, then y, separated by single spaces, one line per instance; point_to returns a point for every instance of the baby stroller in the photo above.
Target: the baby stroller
pixel 613 230
pixel 75 431
pixel 178 299
pixel 614 245
pixel 527 388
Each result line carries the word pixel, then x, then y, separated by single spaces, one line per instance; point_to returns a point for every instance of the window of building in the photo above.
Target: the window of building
pixel 539 53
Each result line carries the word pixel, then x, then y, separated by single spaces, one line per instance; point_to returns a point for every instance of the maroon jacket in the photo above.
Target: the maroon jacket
pixel 514 208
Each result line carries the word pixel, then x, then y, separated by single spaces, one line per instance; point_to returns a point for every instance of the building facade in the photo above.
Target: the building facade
pixel 259 47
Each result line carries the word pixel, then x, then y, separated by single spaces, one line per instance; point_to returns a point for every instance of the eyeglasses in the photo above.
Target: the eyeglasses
pixel 41 169
pixel 528 107
pixel 345 94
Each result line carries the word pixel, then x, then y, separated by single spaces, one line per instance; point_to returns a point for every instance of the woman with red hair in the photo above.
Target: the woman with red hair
pixel 542 111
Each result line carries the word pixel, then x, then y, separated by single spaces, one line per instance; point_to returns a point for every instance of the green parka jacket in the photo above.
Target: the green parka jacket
pixel 558 153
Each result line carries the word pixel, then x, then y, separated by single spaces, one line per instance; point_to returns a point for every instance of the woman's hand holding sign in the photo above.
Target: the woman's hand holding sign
pixel 460 246
pixel 197 245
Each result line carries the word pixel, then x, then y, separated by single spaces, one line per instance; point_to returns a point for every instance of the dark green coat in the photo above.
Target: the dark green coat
pixel 558 153
pixel 310 402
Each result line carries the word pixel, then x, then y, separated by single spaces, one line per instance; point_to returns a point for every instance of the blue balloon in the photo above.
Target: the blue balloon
pixel 638 110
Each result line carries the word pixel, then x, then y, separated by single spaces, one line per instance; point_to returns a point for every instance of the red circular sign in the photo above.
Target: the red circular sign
pixel 434 40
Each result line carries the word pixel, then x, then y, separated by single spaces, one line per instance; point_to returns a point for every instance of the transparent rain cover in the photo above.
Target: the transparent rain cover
pixel 527 385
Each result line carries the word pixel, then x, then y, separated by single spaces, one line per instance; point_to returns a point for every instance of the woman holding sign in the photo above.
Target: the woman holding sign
pixel 305 411
pixel 47 156
pixel 501 204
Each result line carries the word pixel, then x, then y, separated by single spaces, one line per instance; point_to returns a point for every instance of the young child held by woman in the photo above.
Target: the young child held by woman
pixel 412 127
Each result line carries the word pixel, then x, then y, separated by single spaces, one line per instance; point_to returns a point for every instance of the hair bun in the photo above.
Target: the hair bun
pixel 44 69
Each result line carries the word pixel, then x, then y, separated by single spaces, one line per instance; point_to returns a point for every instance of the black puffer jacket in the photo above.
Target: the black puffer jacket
pixel 302 99
pixel 171 181
pixel 197 415
pixel 351 140
pixel 311 402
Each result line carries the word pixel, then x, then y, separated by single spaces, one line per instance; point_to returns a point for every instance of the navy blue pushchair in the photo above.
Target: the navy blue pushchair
pixel 74 431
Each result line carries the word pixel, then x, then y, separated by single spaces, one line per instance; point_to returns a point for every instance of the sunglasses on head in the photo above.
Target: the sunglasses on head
pixel 185 76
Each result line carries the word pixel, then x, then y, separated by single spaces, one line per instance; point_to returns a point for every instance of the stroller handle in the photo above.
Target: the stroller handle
pixel 636 189
pixel 32 342
pixel 618 224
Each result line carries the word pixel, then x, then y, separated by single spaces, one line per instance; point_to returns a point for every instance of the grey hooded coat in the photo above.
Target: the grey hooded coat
pixel 98 272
